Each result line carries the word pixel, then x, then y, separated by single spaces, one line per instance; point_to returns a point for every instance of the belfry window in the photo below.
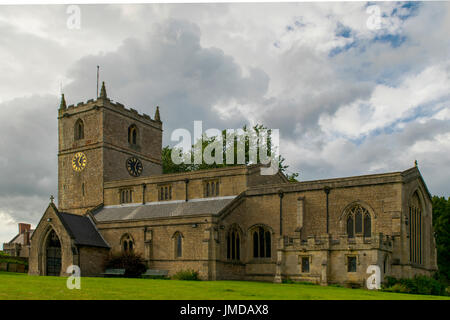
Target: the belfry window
pixel 261 243
pixel 358 222
pixel 233 244
pixel 132 135
pixel 79 130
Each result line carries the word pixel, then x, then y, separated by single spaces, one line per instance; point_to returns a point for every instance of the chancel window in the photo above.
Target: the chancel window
pixel 233 244
pixel 126 196
pixel 261 243
pixel 358 222
pixel 132 135
pixel 211 188
pixel 127 243
pixel 415 230
pixel 79 130
pixel 165 192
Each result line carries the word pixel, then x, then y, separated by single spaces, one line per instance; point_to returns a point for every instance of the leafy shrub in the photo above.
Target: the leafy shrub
pixel 132 263
pixel 416 285
pixel 186 275
pixel 390 281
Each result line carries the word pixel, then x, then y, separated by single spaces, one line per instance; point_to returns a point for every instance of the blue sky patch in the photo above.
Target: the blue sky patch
pixel 395 40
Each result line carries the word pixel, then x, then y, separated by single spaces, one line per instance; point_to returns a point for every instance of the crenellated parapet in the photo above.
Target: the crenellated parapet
pixel 104 102
pixel 342 242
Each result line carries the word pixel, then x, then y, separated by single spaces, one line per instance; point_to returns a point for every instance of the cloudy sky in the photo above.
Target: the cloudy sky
pixel 350 94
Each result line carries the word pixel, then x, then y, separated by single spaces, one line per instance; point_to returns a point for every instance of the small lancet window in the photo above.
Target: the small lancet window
pixel 79 130
pixel 132 135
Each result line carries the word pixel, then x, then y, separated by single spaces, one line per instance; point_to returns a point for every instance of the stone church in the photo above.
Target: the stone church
pixel 226 223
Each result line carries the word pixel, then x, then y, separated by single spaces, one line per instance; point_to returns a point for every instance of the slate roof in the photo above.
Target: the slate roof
pixel 163 209
pixel 82 230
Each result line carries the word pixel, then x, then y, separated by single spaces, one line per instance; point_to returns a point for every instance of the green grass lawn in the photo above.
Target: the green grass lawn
pixel 22 286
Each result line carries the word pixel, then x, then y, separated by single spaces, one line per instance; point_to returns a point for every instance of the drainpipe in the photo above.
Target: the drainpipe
pixel 186 182
pixel 144 186
pixel 327 192
pixel 280 194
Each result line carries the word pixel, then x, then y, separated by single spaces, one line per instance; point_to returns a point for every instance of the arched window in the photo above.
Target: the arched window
pixel 178 242
pixel 233 244
pixel 262 245
pixel 415 229
pixel 79 130
pixel 358 222
pixel 132 134
pixel 127 243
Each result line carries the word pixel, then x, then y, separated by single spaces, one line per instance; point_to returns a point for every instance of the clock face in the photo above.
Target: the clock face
pixel 79 161
pixel 134 166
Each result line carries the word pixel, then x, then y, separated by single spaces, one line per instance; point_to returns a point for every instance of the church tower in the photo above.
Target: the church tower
pixel 99 141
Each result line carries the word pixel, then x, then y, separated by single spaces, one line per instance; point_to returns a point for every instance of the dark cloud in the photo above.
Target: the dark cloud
pixel 171 69
pixel 28 144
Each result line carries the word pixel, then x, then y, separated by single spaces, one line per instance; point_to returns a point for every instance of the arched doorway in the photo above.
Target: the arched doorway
pixel 53 255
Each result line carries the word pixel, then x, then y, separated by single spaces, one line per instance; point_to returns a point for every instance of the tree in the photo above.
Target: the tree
pixel 239 139
pixel 441 224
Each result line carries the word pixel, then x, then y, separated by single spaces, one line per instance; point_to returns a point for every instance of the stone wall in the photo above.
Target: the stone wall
pixel 155 241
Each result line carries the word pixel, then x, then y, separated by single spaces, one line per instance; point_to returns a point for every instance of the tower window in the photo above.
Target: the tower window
pixel 132 135
pixel 79 130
